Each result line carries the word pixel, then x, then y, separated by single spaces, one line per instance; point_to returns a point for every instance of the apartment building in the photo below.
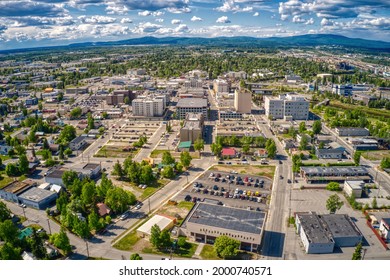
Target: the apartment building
pixel 220 86
pixel 288 107
pixel 148 107
pixel 243 101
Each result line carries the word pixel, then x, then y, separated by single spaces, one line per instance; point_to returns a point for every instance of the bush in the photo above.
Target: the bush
pixel 333 186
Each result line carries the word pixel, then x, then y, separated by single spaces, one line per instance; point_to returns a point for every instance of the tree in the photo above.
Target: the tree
pixel 303 143
pixel 10 252
pixel 155 233
pixel 61 152
pixel 185 159
pixel 37 247
pixel 5 213
pixel 167 158
pixel 88 193
pixel 168 172
pixel 93 221
pixel 199 144
pixel 8 231
pixel 75 113
pixel 68 152
pixel 385 163
pixel 333 186
pixel 119 200
pixel 334 203
pixel 356 157
pixel 117 170
pixel 81 228
pixel 67 134
pixel 245 148
pixel 302 127
pixel 12 170
pixel 62 201
pixel 91 122
pixel 357 255
pixel 23 164
pixel 135 257
pixel 165 239
pixel 297 162
pixel 226 247
pixel 321 145
pixel 271 148
pixel 61 241
pixel 216 148
pixel 146 175
pixel 68 177
pixel 317 127
pixel 374 203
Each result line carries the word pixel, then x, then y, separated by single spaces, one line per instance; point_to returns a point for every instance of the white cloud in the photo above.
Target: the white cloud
pixel 235 6
pixel 195 18
pixel 309 21
pixel 298 19
pixel 183 10
pixel 326 22
pixel 223 19
pixel 176 21
pixel 181 28
pixel 256 14
pixel 146 27
pixel 144 13
pixel 115 9
pixel 97 19
pixel 159 20
pixel 126 20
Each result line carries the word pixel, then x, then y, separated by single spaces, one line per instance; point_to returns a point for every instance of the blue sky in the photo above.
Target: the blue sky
pixel 32 23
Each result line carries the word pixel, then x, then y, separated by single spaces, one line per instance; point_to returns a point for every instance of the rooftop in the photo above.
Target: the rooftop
pixel 228 218
pixel 313 228
pixel 78 139
pixel 192 103
pixel 16 187
pixel 56 173
pixel 347 170
pixel 185 144
pixel 340 225
pixel 91 166
pixel 355 185
pixel 36 194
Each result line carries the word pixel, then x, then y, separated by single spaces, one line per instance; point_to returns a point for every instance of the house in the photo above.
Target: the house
pixel 262 153
pixel 384 228
pixel 77 143
pixel 228 152
pixel 103 209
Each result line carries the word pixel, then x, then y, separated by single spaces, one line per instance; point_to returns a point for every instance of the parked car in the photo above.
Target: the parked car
pixel 215 187
pixel 187 198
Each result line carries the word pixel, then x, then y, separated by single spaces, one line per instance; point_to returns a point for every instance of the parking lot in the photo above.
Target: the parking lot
pixel 230 189
pixel 131 132
pixel 169 141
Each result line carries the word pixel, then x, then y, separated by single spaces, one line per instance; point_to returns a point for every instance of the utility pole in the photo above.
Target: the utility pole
pixel 86 243
pixel 149 204
pixel 48 223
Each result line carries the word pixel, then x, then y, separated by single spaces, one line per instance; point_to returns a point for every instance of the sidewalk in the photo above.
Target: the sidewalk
pixel 198 251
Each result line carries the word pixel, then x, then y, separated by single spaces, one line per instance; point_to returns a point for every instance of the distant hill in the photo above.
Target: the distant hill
pixel 309 40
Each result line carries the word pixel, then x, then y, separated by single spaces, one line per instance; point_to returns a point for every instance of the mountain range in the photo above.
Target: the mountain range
pixel 309 40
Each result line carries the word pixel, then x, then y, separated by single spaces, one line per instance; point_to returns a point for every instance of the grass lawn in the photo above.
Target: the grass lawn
pixel 114 152
pixel 156 153
pixel 208 253
pixel 153 188
pixel 181 252
pixel 376 155
pixel 186 204
pixel 5 180
pixel 127 242
pixel 3 158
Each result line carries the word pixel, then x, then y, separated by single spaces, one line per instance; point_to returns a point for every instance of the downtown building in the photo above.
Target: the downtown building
pixel 287 107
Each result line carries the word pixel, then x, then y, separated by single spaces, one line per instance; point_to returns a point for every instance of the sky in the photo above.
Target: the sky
pixel 35 23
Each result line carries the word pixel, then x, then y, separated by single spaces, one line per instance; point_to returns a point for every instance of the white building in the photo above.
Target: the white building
pixel 220 86
pixel 163 222
pixel 384 228
pixel 192 105
pixel 287 106
pixel 354 187
pixel 148 107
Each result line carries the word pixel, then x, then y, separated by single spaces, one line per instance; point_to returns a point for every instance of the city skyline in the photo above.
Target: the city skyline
pixel 29 23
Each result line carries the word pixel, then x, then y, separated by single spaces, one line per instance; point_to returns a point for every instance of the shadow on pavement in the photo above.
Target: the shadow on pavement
pixel 273 243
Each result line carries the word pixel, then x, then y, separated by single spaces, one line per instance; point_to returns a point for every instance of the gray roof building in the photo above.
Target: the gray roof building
pixel 335 173
pixel 37 198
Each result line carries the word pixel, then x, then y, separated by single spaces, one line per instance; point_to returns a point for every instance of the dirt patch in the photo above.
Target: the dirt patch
pixel 141 244
pixel 173 210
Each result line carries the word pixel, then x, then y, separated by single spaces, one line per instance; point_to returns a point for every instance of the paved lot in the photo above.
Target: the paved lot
pixel 228 192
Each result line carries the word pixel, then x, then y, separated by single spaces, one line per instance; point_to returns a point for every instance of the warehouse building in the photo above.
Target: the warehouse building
pixel 38 198
pixel 208 221
pixel 352 131
pixel 318 174
pixel 354 187
pixel 320 234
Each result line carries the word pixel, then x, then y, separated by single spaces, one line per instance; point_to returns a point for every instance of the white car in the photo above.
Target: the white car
pixel 123 216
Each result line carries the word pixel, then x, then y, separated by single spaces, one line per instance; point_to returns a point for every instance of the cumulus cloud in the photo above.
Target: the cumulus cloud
pixel 146 27
pixel 176 21
pixel 195 18
pixel 114 9
pixel 144 13
pixel 159 20
pixel 97 19
pixel 181 28
pixel 126 20
pixel 234 6
pixel 223 19
pixel 256 14
pixel 154 5
pixel 29 8
pixel 298 19
pixel 309 21
pixel 183 10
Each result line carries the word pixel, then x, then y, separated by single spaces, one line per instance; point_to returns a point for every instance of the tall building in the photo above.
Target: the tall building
pixel 193 128
pixel 243 101
pixel 192 105
pixel 288 106
pixel 148 107
pixel 220 86
pixel 193 83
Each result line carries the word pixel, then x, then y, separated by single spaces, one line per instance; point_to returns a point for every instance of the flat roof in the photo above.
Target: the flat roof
pixel 227 218
pixel 331 170
pixel 36 194
pixel 192 103
pixel 355 185
pixel 185 144
pixel 78 139
pixel 56 173
pixel 91 166
pixel 340 225
pixel 162 221
pixel 16 187
pixel 313 228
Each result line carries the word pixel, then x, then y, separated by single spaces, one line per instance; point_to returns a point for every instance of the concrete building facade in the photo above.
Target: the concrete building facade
pixel 243 101
pixel 286 107
pixel 192 105
pixel 193 128
pixel 148 107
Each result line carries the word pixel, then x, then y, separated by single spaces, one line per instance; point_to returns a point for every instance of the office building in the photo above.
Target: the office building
pixel 192 105
pixel 220 86
pixel 193 83
pixel 243 101
pixel 288 107
pixel 148 106
pixel 208 221
pixel 193 128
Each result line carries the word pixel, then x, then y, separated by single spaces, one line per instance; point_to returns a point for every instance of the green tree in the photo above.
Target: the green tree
pixel 317 127
pixel 385 163
pixel 93 221
pixel 271 148
pixel 37 247
pixel 135 257
pixel 374 203
pixel 68 152
pixel 302 127
pixel 334 203
pixel 62 201
pixel 81 228
pixel 303 143
pixel 91 122
pixel 75 113
pixel 88 193
pixel 168 172
pixel 357 254
pixel 119 200
pixel 10 252
pixel 216 148
pixel 226 247
pixel 321 145
pixel 245 148
pixel 185 159
pixel 68 177
pixel 333 186
pixel 297 162
pixel 199 145
pixel 5 213
pixel 11 170
pixel 155 233
pixel 356 157
pixel 67 134
pixel 117 170
pixel 167 158
pixel 165 239
pixel 61 241
pixel 146 176
pixel 8 231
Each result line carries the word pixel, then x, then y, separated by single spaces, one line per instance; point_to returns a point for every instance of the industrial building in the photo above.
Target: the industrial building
pixel 330 153
pixel 162 221
pixel 362 144
pixel 320 234
pixel 192 105
pixel 208 221
pixel 288 107
pixel 12 191
pixel 37 198
pixel 243 101
pixel 320 174
pixel 193 128
pixel 352 131
pixel 354 188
